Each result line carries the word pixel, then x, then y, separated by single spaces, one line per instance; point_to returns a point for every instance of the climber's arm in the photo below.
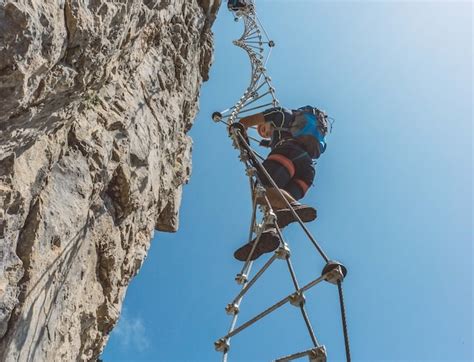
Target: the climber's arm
pixel 253 120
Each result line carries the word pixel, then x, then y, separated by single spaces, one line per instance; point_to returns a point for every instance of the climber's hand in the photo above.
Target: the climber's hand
pixel 240 128
pixel 237 126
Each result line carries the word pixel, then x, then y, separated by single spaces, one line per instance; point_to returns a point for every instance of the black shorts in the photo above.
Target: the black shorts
pixel 290 166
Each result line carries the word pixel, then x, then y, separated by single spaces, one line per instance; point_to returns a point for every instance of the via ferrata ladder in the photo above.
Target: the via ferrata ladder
pixel 260 94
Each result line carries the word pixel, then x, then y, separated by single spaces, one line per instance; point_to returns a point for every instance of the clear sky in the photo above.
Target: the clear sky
pixel 393 193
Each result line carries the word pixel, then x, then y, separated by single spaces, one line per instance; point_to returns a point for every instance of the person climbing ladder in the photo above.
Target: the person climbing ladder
pixel 295 137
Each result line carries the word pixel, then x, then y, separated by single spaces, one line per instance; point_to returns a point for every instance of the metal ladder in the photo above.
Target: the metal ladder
pixel 260 94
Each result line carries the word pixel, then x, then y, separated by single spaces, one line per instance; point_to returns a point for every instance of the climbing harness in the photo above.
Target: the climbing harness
pixel 259 94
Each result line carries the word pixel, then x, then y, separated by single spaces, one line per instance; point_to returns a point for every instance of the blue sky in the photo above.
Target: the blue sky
pixel 393 193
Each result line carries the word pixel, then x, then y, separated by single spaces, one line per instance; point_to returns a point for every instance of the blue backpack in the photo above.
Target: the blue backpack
pixel 310 127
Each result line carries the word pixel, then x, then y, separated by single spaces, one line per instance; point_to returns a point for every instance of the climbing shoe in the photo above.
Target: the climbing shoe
pixel 285 216
pixel 269 241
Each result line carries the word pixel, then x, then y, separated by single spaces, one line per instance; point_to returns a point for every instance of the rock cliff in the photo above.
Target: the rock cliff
pixel 96 98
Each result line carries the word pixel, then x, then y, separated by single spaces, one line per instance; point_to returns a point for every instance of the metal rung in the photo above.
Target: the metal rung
pixel 244 290
pixel 275 306
pixel 315 355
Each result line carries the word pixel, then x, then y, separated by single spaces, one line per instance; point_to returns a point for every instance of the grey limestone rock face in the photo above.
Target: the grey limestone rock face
pixel 96 99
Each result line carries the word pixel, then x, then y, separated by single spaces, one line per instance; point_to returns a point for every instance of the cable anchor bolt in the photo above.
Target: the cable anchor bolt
pixel 263 208
pixel 257 228
pixel 297 299
pixel 251 171
pixel 270 218
pixel 232 309
pixel 241 278
pixel 260 191
pixel 222 345
pixel 334 272
pixel 244 156
pixel 283 252
pixel 318 354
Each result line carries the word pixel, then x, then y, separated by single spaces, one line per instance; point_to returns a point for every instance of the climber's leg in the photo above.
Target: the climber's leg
pixel 297 188
pixel 275 199
pixel 281 170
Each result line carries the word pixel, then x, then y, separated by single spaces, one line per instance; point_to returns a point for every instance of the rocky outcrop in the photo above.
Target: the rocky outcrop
pixel 96 98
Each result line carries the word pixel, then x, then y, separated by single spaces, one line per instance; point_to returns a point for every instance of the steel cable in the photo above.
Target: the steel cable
pixel 344 321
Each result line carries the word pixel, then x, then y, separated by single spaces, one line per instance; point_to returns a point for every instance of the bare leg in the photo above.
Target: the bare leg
pixel 284 214
pixel 276 201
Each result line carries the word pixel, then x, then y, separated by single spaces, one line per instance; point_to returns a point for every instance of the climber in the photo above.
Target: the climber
pixel 295 137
